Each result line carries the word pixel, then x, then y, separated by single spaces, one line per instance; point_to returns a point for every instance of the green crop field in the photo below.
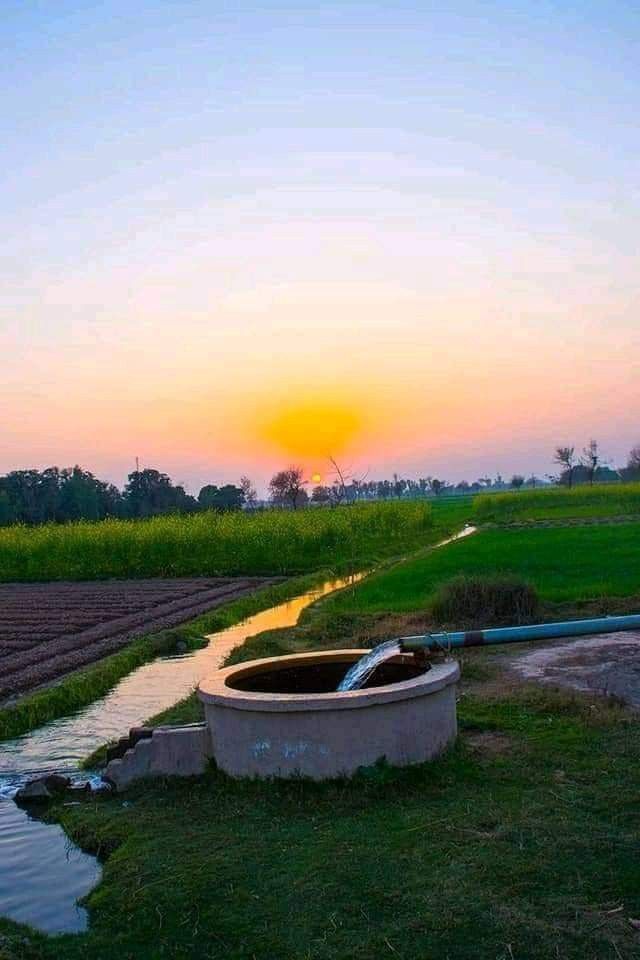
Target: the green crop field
pixel 211 544
pixel 583 502
pixel 563 563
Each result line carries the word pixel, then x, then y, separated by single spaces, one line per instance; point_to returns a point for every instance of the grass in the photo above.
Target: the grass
pixel 211 544
pixel 564 564
pixel 522 843
pixel 583 502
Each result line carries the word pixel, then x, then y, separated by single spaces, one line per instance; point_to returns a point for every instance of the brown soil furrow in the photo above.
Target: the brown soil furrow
pixel 124 588
pixel 70 642
pixel 60 661
pixel 33 636
pixel 7 646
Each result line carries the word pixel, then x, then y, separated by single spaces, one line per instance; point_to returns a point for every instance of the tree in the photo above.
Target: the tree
pixel 632 469
pixel 565 456
pixel 23 489
pixel 436 486
pixel 7 511
pixel 249 492
pixel 517 480
pixel 591 459
pixel 149 492
pixel 320 494
pixel 286 488
pixel 222 499
pixel 230 497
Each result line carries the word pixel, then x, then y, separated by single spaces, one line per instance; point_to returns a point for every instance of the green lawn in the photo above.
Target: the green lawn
pixel 529 851
pixel 563 563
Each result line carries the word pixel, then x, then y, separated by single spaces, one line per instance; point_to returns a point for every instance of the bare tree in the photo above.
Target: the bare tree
pixel 338 490
pixel 566 457
pixel 287 487
pixel 632 469
pixel 249 491
pixel 591 459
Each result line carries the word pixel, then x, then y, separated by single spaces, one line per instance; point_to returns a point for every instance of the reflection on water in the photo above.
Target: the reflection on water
pixel 60 745
pixel 42 874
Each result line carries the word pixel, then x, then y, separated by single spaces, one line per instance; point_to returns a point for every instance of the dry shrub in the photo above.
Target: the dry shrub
pixel 483 600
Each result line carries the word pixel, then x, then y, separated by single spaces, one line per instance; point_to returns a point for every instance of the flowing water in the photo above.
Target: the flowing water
pixel 362 669
pixel 42 874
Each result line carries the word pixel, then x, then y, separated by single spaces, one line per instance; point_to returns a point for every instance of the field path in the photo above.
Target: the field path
pixel 49 629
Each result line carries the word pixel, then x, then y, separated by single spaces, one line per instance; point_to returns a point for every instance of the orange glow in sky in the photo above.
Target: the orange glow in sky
pixel 308 430
pixel 410 253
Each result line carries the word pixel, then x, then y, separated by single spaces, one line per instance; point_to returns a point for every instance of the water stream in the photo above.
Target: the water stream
pixel 42 874
pixel 359 673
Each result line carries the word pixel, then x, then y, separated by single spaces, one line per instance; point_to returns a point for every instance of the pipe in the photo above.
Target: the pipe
pixel 536 631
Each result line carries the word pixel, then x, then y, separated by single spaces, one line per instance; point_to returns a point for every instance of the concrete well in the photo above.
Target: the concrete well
pixel 282 716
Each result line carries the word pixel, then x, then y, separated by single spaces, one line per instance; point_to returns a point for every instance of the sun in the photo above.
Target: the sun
pixel 309 429
pixel 316 478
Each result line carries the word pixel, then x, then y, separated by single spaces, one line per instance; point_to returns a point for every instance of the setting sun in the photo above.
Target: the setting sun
pixel 311 429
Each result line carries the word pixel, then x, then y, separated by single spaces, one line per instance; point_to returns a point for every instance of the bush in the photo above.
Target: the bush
pixel 481 601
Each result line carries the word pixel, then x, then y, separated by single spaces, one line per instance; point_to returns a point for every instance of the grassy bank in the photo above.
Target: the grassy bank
pixel 210 544
pixel 521 843
pixel 584 502
pixel 564 564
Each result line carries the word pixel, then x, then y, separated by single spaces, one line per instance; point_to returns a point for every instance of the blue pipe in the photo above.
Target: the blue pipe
pixel 537 631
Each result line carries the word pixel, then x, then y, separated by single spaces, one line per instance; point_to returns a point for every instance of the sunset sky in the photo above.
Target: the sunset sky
pixel 242 235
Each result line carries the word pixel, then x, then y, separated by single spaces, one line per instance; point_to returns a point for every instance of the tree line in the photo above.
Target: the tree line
pixel 59 495
pixel 590 467
pixel 287 487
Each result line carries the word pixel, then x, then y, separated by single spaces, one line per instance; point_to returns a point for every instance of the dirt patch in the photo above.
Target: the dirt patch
pixel 608 665
pixel 49 629
pixel 489 743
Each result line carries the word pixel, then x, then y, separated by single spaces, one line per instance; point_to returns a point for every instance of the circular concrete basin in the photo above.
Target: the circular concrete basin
pixel 282 716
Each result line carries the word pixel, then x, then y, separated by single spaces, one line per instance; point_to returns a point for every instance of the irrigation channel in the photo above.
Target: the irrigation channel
pixel 42 874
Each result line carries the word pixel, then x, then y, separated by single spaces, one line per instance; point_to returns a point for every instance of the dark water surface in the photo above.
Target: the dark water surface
pixel 42 874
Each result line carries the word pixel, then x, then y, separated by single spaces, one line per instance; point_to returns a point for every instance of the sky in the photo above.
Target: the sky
pixel 238 236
